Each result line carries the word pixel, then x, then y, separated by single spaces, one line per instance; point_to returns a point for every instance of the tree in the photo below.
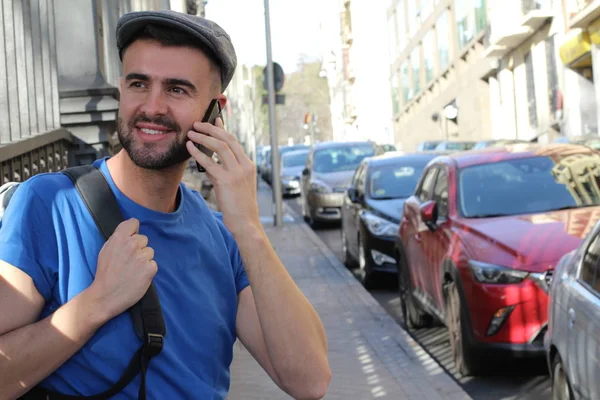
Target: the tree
pixel 306 92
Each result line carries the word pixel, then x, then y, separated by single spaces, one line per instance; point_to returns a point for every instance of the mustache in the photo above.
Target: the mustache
pixel 163 121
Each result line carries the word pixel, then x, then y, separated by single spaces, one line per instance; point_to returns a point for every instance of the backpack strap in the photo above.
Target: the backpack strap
pixel 146 315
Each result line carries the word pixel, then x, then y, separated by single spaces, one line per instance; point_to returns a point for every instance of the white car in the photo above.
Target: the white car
pixel 573 338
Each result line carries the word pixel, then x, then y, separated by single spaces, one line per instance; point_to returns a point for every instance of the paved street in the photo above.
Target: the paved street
pixel 371 356
pixel 527 381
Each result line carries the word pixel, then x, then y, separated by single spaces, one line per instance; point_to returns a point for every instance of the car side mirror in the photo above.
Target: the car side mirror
pixel 429 214
pixel 305 172
pixel 353 195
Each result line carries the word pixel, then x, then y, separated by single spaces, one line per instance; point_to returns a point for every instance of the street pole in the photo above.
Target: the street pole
pixel 276 178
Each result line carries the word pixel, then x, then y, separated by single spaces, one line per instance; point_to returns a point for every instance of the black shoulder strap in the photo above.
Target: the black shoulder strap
pixel 147 316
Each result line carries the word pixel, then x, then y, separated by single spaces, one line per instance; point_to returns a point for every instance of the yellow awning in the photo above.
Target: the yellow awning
pixel 575 52
pixel 594 31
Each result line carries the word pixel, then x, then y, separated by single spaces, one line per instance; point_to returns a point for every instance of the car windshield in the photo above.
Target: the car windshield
pixel 430 145
pixel 343 158
pixel 394 181
pixel 294 159
pixel 529 185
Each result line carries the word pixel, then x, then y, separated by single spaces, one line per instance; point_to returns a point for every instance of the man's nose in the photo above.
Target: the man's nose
pixel 155 103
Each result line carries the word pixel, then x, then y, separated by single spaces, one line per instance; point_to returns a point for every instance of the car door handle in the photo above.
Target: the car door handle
pixel 571 318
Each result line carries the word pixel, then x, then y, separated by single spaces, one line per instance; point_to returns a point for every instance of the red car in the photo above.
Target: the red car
pixel 480 238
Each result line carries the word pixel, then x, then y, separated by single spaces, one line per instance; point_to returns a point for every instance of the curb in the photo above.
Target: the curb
pixel 430 368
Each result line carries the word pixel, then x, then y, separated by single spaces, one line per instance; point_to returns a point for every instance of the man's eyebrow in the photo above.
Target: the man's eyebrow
pixel 180 82
pixel 136 76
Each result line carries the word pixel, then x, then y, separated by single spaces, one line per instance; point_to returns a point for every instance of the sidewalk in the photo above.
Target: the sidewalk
pixel 371 357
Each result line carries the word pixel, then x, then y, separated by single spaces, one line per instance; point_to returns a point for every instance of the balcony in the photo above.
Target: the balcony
pixel 582 12
pixel 506 37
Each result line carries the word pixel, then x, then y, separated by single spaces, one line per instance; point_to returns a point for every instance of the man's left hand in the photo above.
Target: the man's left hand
pixel 234 179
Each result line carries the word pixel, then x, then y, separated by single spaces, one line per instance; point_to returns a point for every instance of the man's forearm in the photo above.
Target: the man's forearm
pixel 31 353
pixel 293 332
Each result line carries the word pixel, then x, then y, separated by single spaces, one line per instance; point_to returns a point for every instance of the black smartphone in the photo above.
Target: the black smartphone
pixel 213 111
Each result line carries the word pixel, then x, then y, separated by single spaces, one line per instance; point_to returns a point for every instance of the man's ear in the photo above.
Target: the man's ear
pixel 222 101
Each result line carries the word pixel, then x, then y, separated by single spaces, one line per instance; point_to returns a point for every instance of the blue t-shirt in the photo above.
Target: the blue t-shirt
pixel 48 233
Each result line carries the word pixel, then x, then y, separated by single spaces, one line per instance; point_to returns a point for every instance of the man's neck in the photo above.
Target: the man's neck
pixel 153 189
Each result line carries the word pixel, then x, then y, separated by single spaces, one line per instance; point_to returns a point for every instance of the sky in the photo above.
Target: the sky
pixel 295 29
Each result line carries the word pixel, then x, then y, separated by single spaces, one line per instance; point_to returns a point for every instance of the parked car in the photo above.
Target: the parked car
pixel 454 146
pixel 292 164
pixel 592 141
pixel 572 342
pixel 268 173
pixel 428 145
pixel 480 238
pixel 484 144
pixel 372 211
pixel 328 173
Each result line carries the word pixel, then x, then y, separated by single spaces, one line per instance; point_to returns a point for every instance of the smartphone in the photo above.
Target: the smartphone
pixel 213 111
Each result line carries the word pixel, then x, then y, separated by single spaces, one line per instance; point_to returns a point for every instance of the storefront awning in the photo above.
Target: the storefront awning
pixel 575 52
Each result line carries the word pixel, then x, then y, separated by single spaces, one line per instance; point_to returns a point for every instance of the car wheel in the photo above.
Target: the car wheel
pixel 347 258
pixel 462 353
pixel 366 274
pixel 412 315
pixel 561 388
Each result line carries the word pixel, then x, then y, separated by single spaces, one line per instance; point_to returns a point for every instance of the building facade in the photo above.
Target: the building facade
pixel 59 77
pixel 580 54
pixel 356 68
pixel 436 70
pixel 527 100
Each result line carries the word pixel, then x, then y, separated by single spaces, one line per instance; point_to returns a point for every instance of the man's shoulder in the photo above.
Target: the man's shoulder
pixel 46 186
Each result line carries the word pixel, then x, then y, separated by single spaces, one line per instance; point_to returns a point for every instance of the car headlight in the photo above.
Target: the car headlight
pixel 379 226
pixel 496 274
pixel 320 187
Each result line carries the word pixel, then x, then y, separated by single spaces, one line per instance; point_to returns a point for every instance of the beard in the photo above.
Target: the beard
pixel 145 155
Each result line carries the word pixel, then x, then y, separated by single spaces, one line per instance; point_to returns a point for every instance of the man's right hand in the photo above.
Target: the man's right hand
pixel 125 269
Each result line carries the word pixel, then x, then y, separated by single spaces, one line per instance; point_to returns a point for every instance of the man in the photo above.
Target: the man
pixel 64 291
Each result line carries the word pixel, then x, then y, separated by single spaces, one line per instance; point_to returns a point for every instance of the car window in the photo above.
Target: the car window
pixel 425 191
pixel 590 266
pixel 294 159
pixel 360 181
pixel 529 185
pixel 440 193
pixel 394 181
pixel 354 181
pixel 343 158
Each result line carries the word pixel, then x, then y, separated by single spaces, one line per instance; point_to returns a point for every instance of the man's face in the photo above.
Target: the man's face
pixel 164 90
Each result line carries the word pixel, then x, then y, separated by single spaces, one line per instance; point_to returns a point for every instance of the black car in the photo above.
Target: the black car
pixel 372 211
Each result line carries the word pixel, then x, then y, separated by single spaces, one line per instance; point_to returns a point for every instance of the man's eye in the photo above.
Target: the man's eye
pixel 178 90
pixel 137 84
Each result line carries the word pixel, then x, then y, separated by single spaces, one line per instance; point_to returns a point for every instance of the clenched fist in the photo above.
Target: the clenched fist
pixel 125 269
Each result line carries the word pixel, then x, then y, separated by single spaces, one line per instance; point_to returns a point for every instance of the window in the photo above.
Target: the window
pixel 552 75
pixel 427 185
pixel 443 41
pixel 480 7
pixel 440 193
pixel 413 17
pixel 395 181
pixel 392 39
pixel 395 93
pixel 415 61
pixel 401 24
pixel 531 104
pixel 464 23
pixel 360 182
pixel 343 158
pixel 429 54
pixel 354 182
pixel 406 90
pixel 590 266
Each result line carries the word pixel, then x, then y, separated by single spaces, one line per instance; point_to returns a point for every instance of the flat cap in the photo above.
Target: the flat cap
pixel 210 35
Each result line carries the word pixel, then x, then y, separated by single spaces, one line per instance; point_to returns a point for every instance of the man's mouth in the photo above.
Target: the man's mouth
pixel 153 132
pixel 153 129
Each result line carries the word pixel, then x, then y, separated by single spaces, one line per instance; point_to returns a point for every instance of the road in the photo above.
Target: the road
pixel 511 381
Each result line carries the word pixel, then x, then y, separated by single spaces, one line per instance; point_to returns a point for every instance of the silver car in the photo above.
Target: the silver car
pixel 573 338
pixel 292 164
pixel 326 178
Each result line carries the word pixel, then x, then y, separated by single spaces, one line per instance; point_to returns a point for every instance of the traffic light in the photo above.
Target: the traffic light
pixel 307 118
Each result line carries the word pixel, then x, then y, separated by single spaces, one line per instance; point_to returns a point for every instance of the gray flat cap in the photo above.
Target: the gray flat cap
pixel 208 33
